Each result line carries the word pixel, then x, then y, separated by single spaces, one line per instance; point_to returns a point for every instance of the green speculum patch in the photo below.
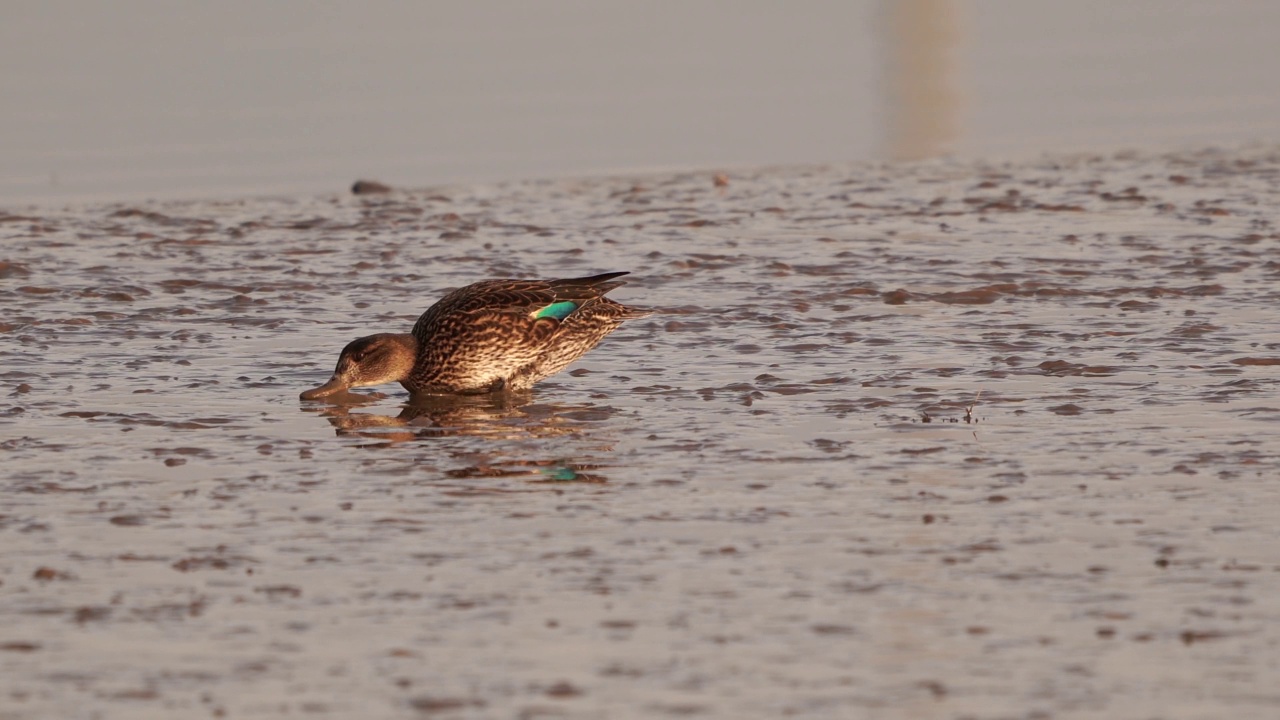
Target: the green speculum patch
pixel 559 311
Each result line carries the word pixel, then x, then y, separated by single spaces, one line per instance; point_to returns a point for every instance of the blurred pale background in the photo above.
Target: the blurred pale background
pixel 139 98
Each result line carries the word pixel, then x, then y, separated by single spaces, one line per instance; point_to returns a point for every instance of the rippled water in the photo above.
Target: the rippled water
pixel 945 440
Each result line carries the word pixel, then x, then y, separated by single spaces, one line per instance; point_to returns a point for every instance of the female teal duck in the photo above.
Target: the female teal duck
pixel 494 335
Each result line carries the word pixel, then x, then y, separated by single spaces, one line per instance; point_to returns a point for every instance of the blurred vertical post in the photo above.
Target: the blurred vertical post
pixel 923 104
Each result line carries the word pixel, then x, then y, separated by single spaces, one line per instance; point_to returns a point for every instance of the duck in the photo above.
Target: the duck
pixel 493 336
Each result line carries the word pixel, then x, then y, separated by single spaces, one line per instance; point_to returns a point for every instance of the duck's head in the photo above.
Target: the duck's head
pixel 371 360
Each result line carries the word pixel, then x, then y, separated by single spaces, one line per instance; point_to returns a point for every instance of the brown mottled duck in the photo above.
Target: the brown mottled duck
pixel 491 336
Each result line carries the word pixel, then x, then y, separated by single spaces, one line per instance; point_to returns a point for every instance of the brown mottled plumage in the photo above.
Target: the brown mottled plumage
pixel 486 337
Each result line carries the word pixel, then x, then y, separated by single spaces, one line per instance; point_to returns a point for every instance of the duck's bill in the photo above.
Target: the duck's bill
pixel 335 385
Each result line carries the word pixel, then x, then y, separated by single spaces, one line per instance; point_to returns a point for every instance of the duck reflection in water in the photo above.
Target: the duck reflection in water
pixel 456 420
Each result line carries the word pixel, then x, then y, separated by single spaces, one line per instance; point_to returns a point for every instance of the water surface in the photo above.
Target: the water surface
pixel 941 440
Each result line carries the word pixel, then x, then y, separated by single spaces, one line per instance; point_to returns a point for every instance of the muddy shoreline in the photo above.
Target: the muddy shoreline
pixel 939 440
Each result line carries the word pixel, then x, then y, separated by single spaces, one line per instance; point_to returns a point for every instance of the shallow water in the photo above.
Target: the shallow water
pixel 943 440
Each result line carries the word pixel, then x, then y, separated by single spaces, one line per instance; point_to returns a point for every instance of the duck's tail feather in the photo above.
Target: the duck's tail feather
pixel 627 312
pixel 587 287
pixel 635 313
pixel 593 280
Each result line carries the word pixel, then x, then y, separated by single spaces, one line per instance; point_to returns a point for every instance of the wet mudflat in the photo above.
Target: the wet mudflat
pixel 950 440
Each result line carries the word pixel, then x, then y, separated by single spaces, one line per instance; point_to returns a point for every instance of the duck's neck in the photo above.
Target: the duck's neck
pixel 406 354
pixel 405 358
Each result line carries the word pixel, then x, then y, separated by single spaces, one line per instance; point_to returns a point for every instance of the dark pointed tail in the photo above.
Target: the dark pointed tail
pixel 599 284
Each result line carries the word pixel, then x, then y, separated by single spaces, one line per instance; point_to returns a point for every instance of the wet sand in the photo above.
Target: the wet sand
pixel 942 440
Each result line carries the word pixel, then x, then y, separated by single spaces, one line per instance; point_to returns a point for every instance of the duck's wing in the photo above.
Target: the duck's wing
pixel 492 300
